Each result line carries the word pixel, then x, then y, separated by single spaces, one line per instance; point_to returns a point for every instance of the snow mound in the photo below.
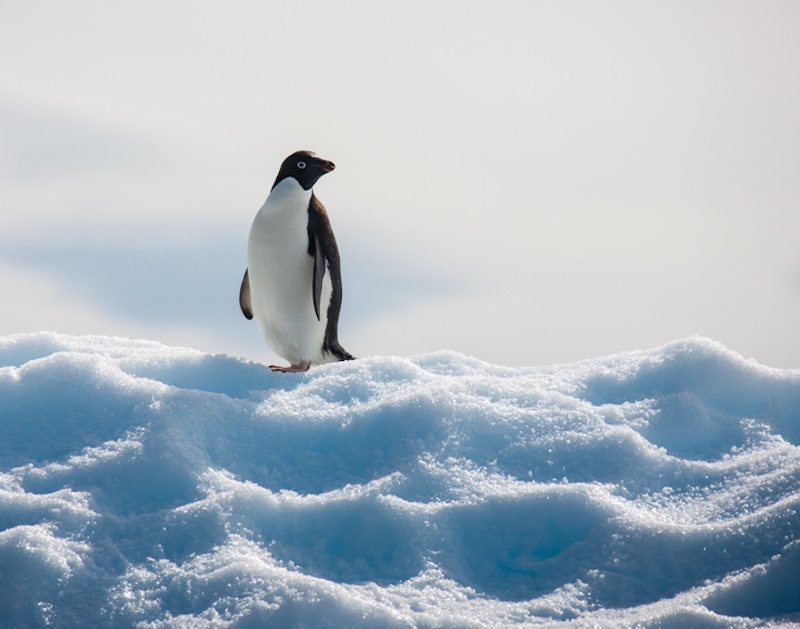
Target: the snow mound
pixel 149 486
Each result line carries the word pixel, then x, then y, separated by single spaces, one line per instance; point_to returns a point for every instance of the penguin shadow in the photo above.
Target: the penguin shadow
pixel 217 373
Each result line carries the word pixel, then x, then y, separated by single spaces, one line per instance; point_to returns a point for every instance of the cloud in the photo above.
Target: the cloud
pixel 41 144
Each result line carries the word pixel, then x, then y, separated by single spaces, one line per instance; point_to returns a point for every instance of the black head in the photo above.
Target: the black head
pixel 304 166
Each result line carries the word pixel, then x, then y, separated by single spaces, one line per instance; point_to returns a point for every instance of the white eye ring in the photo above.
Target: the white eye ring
pixel 301 165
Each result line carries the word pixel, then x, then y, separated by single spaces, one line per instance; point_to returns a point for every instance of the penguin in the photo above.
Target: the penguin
pixel 293 284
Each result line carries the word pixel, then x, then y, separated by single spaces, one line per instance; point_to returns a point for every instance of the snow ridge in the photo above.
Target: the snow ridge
pixel 149 486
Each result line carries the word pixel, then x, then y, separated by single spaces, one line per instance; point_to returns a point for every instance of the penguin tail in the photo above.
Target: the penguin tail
pixel 339 352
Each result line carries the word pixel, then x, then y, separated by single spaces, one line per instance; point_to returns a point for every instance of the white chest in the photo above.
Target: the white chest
pixel 280 229
pixel 281 274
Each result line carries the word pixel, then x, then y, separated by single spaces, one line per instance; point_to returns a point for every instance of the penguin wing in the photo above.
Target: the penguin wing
pixel 319 271
pixel 322 247
pixel 244 297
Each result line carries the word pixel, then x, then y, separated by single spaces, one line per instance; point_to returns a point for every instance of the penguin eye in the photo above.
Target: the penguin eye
pixel 301 165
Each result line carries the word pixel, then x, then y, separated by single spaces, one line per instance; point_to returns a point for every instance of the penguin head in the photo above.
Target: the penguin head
pixel 306 167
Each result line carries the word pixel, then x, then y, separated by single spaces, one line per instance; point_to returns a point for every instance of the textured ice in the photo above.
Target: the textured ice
pixel 149 486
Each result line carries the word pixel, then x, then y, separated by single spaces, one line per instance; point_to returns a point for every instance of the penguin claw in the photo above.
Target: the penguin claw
pixel 303 366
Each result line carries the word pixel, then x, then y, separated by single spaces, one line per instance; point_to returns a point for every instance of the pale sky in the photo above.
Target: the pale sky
pixel 524 182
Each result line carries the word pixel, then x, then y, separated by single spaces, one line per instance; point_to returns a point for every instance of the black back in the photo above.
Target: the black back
pixel 322 244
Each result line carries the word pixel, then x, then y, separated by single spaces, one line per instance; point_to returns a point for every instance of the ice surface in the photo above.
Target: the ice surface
pixel 150 486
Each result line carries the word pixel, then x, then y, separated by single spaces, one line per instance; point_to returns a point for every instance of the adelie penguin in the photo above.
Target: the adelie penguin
pixel 293 282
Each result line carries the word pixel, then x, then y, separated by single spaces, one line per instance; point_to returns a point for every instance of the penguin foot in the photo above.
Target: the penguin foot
pixel 303 366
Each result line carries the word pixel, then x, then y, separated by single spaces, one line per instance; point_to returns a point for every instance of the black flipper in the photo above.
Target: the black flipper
pixel 319 273
pixel 244 297
pixel 322 248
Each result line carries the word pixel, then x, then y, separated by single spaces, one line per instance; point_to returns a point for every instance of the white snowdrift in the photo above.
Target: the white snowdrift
pixel 149 486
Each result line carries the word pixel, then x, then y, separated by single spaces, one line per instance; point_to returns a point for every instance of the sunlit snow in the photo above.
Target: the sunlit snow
pixel 149 486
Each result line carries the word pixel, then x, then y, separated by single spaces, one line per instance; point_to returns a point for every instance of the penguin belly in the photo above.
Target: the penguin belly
pixel 281 277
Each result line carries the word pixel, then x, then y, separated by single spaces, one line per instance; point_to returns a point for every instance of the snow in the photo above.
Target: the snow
pixel 150 486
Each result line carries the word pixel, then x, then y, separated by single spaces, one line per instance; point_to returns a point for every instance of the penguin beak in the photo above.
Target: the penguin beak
pixel 327 166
